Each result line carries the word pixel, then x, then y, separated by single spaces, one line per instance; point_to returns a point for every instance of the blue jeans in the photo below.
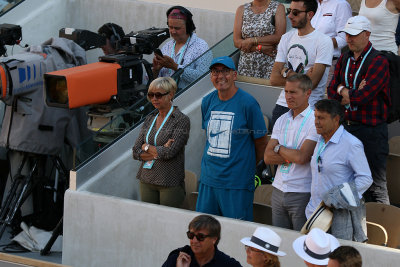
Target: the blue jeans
pixel 376 148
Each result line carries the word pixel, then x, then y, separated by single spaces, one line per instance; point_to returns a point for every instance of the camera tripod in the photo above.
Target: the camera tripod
pixel 23 185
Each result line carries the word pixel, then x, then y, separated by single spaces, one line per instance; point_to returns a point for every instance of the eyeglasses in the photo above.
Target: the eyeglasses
pixel 295 12
pixel 224 71
pixel 200 237
pixel 157 95
pixel 319 160
pixel 247 248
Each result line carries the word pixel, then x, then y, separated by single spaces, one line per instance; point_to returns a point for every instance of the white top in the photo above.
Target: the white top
pixel 301 53
pixel 383 26
pixel 298 179
pixel 331 17
pixel 342 160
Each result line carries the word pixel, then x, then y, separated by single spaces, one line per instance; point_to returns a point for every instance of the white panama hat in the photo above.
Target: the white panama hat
pixel 266 240
pixel 315 247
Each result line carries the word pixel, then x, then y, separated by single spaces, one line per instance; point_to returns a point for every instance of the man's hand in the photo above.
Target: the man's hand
pixel 183 260
pixel 169 143
pixel 362 84
pixel 165 61
pixel 346 98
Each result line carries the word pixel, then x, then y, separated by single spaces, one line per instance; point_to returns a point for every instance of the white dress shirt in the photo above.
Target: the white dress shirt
pixel 330 18
pixel 342 160
pixel 298 179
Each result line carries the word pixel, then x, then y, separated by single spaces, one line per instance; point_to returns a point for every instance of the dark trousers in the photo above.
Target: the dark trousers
pixel 276 113
pixel 376 148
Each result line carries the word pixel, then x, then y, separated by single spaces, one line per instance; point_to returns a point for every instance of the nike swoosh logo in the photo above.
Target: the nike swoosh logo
pixel 217 133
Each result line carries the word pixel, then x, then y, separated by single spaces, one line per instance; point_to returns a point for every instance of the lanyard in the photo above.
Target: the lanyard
pixel 358 71
pixel 182 51
pixel 321 148
pixel 298 133
pixel 159 129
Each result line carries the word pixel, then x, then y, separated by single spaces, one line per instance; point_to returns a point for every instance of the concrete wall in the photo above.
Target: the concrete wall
pixel 109 231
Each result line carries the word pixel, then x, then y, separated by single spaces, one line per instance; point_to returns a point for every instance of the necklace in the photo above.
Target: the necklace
pixel 258 9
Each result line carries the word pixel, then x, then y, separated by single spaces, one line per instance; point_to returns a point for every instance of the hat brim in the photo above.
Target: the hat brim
pixel 321 217
pixel 352 31
pixel 298 248
pixel 246 241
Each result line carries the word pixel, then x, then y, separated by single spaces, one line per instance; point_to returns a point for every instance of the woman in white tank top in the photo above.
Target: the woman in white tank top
pixel 383 15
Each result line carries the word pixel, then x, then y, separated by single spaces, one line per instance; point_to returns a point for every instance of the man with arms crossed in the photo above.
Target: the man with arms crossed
pixel 361 84
pixel 236 138
pixel 303 50
pixel 291 146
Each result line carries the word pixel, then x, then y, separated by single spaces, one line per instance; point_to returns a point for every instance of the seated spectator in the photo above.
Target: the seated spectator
pixel 258 28
pixel 184 47
pixel 160 147
pixel 345 256
pixel 330 18
pixel 384 16
pixel 262 248
pixel 315 247
pixel 302 51
pixel 204 234
pixel 338 161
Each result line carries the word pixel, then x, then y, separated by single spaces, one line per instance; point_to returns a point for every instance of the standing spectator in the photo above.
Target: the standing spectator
pixel 184 47
pixel 363 90
pixel 262 248
pixel 345 256
pixel 398 36
pixel 383 16
pixel 330 18
pixel 236 138
pixel 315 247
pixel 160 147
pixel 338 158
pixel 304 50
pixel 204 234
pixel 258 28
pixel 291 146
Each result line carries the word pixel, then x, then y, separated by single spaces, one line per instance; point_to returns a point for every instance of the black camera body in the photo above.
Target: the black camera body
pixel 10 34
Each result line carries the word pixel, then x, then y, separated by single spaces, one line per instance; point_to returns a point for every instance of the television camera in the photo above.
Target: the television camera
pixel 10 34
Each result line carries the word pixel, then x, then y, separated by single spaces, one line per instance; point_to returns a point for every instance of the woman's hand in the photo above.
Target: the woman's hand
pixel 169 143
pixel 247 44
pixel 165 61
pixel 183 260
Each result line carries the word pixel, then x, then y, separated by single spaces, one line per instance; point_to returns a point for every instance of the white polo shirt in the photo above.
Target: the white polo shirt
pixel 301 128
pixel 331 17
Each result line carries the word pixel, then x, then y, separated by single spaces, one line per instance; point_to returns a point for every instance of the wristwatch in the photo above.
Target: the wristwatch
pixel 146 148
pixel 276 148
pixel 285 73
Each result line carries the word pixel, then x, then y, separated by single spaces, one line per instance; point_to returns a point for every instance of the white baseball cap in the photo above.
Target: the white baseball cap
pixel 355 25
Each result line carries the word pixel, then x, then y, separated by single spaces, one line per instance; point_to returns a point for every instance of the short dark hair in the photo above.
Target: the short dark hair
pixel 347 256
pixel 310 5
pixel 209 223
pixel 190 27
pixel 305 81
pixel 113 32
pixel 332 107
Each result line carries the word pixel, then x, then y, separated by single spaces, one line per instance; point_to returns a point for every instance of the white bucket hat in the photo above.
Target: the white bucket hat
pixel 266 240
pixel 315 247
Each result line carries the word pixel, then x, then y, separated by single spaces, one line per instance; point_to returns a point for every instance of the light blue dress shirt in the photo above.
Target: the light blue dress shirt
pixel 341 160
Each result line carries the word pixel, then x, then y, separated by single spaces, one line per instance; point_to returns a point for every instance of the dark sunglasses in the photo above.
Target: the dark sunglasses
pixel 200 237
pixel 319 160
pixel 157 95
pixel 295 12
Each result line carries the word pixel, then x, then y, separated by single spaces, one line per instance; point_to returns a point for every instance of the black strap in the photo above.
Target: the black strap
pixel 315 255
pixel 264 244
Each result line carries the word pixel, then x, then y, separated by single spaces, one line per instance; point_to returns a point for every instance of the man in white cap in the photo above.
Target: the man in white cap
pixel 361 84
pixel 315 247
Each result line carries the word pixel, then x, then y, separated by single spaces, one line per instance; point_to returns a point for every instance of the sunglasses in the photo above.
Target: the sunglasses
pixel 224 71
pixel 157 95
pixel 200 237
pixel 295 12
pixel 319 160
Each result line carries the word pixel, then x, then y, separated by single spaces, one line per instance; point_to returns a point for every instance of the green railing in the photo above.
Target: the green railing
pixel 128 118
pixel 6 6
